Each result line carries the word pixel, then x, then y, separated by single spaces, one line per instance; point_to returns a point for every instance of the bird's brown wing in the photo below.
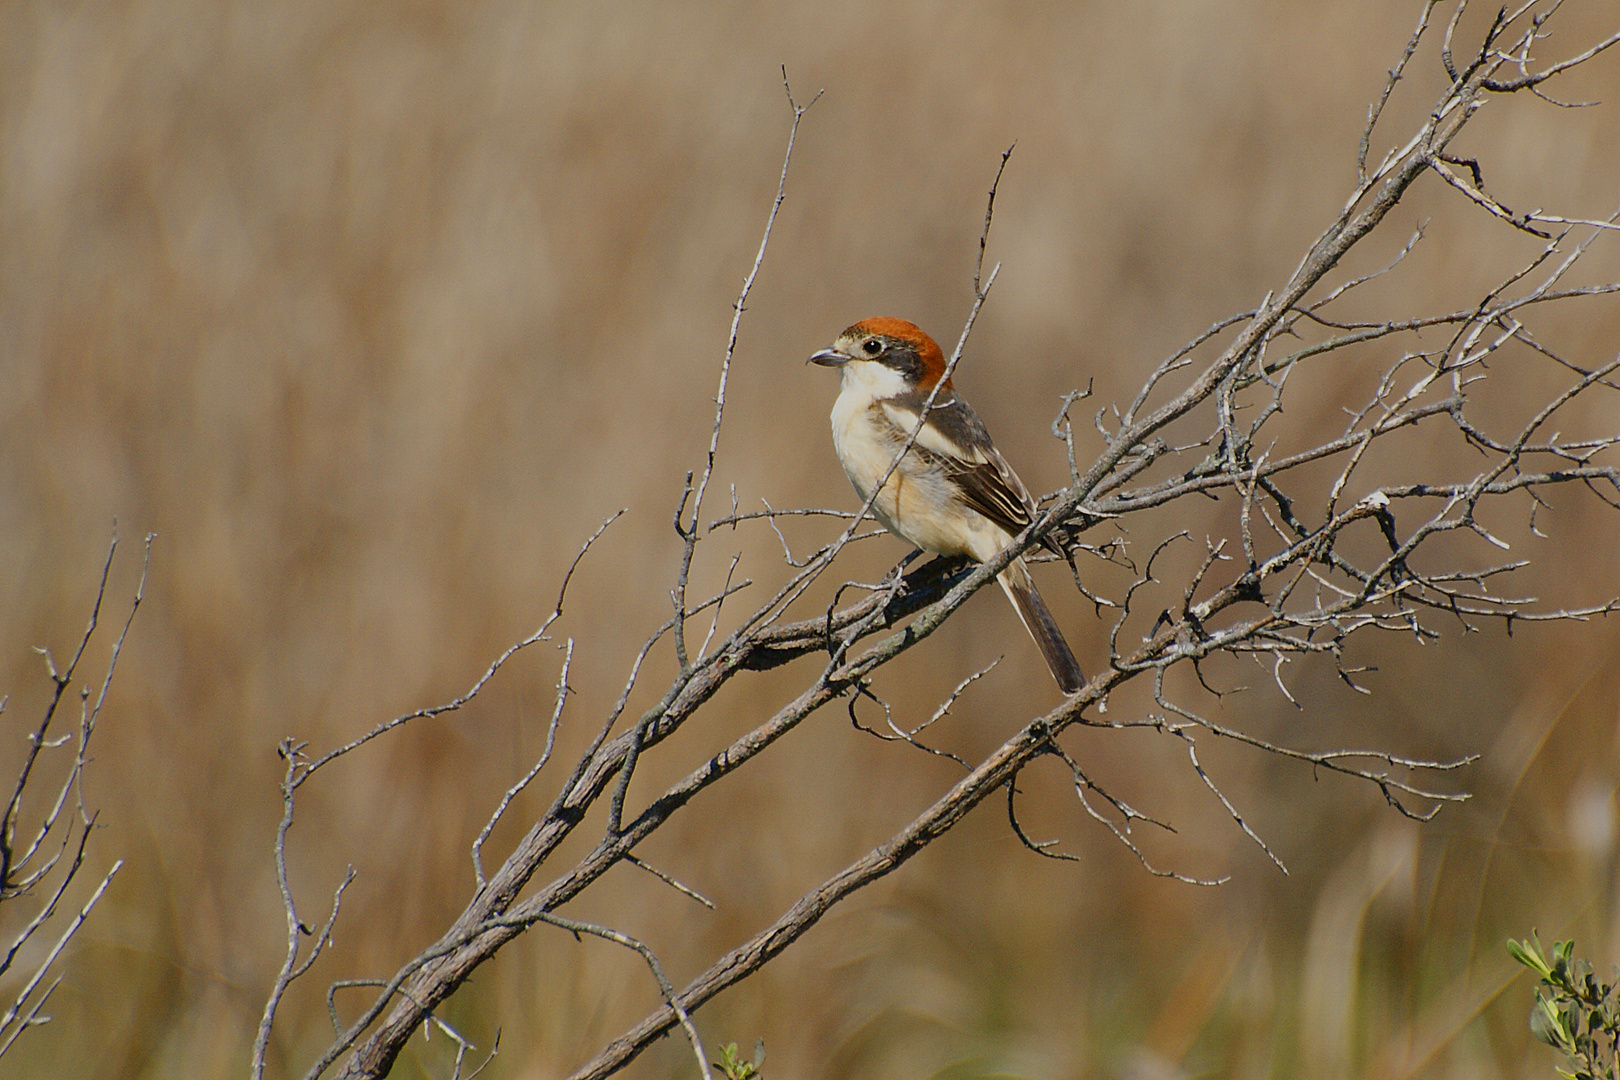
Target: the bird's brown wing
pixel 988 487
pixel 957 443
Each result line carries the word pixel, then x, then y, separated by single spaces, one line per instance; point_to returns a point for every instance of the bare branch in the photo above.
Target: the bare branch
pixel 50 861
pixel 689 532
pixel 528 778
pixel 664 985
pixel 9 1018
pixel 310 767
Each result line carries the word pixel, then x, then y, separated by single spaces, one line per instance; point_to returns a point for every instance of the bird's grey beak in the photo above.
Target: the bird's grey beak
pixel 830 358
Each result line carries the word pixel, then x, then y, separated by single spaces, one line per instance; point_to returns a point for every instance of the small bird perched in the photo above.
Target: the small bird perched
pixel 952 493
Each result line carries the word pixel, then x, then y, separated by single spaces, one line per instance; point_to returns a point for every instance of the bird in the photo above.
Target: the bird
pixel 952 493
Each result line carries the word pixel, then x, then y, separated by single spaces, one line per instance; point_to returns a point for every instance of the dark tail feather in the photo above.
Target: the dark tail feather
pixel 1042 627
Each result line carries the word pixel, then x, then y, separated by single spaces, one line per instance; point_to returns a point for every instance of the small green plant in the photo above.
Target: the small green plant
pixel 735 1068
pixel 1575 1012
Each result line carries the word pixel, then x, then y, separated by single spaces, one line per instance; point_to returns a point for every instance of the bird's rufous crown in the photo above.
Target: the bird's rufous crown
pixel 927 349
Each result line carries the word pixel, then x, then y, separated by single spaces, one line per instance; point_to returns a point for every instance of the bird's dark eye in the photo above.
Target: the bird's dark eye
pixel 872 346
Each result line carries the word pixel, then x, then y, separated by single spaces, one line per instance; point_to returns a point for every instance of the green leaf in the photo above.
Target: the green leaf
pixel 1528 953
pixel 734 1067
pixel 1561 954
pixel 1544 1022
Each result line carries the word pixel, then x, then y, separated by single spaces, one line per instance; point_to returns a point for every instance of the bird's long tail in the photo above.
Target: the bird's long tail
pixel 1037 618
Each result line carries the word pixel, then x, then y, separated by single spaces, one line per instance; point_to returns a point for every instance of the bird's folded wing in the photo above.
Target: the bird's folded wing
pixel 955 441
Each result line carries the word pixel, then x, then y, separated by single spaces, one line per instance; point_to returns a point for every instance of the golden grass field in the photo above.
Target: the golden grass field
pixel 372 313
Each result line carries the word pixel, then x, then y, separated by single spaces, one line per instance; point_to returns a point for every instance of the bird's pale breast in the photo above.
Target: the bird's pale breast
pixel 918 503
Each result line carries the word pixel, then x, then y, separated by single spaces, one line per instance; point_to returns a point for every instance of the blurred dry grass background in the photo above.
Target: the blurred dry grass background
pixel 372 313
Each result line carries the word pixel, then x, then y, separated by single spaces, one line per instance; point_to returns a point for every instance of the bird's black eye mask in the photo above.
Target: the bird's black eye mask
pixel 904 359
